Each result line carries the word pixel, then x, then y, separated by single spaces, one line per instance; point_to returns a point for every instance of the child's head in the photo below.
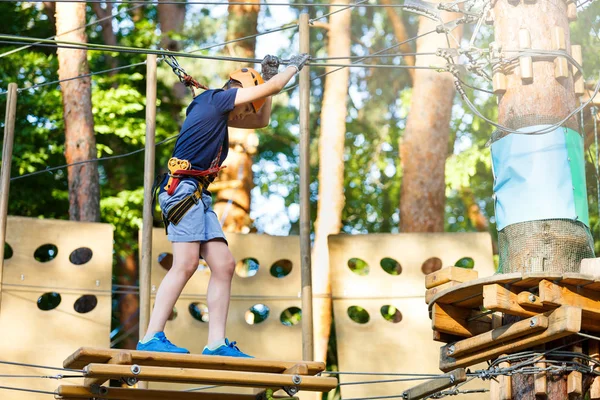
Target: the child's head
pixel 244 78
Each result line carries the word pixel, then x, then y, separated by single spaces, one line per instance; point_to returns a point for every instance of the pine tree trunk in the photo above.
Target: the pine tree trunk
pixel 80 142
pixel 401 35
pixel 171 18
pixel 233 202
pixel 331 175
pixel 424 147
pixel 108 35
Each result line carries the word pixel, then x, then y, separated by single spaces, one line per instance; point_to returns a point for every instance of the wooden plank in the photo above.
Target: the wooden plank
pixel 540 383
pixel 121 358
pixel 590 266
pixel 430 293
pixel 531 280
pixel 530 301
pixel 576 279
pixel 432 386
pixel 557 295
pixel 456 321
pixel 111 393
pixel 562 322
pixel 502 334
pixel 574 384
pixel 594 352
pixel 448 274
pixel 469 293
pixel 445 337
pixel 501 387
pixel 89 355
pixel 209 376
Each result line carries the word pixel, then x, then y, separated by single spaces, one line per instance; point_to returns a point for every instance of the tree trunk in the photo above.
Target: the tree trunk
pixel 401 36
pixel 171 18
pixel 49 10
pixel 80 142
pixel 560 243
pixel 108 35
pixel 233 202
pixel 424 146
pixel 331 174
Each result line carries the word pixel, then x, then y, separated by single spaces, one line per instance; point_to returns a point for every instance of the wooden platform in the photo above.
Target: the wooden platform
pixel 468 315
pixel 100 365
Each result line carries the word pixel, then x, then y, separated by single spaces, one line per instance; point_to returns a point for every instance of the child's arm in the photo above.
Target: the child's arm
pixel 267 89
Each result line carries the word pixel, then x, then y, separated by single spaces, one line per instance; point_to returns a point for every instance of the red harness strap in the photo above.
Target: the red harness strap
pixel 205 177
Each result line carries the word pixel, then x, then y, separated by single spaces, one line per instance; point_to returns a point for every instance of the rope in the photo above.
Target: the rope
pixel 76 29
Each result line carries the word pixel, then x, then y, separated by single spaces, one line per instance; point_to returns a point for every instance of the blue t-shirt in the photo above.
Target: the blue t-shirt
pixel 204 132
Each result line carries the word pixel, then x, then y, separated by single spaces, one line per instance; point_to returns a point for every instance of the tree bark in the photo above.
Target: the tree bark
pixel 171 18
pixel 425 143
pixel 80 142
pixel 49 10
pixel 401 36
pixel 108 35
pixel 331 174
pixel 233 204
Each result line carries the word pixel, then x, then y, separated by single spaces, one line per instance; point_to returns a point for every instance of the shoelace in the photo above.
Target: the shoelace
pixel 232 345
pixel 166 341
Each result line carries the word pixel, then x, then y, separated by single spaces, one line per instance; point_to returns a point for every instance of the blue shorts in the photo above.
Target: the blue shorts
pixel 199 224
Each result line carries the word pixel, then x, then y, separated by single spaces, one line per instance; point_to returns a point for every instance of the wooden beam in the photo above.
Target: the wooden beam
pixel 458 321
pixel 121 358
pixel 562 322
pixel 430 387
pixel 502 334
pixel 110 393
pixel 530 301
pixel 91 355
pixel 210 376
pixel 445 337
pixel 438 289
pixel 540 383
pixel 559 294
pixel 448 274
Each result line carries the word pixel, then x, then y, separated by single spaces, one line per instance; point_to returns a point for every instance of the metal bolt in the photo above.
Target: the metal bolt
pixel 297 379
pixel 532 298
pixel 97 282
pixel 103 391
pixel 450 349
pixel 135 369
pixel 533 322
pixel 452 378
pixel 131 381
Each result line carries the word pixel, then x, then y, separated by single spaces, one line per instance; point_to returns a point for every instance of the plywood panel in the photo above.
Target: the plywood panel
pixel 380 345
pixel 264 248
pixel 411 250
pixel 30 335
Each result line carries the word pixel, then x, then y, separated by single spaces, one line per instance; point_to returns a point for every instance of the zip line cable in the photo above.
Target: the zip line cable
pixel 76 29
pixel 311 21
pixel 27 390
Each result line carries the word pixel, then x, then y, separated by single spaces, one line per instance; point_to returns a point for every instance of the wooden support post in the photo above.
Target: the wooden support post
pixel 540 383
pixel 564 321
pixel 7 150
pixel 572 11
pixel 210 376
pixel 305 250
pixel 525 62
pixel 575 378
pixel 146 264
pixel 561 66
pixel 578 82
pixel 449 274
pixel 499 83
pixel 594 352
pixel 426 389
pixel 501 388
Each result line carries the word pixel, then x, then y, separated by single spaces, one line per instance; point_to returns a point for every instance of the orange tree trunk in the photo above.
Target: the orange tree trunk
pixel 80 143
pixel 331 174
pixel 236 181
pixel 424 147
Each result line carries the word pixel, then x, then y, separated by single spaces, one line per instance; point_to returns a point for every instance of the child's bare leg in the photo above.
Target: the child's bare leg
pixel 185 263
pixel 222 265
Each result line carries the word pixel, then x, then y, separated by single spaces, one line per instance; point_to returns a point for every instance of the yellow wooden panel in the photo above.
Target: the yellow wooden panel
pixel 30 335
pixel 411 250
pixel 264 248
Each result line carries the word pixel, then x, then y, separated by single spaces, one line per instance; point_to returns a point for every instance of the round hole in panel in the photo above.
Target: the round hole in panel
pixel 391 313
pixel 257 314
pixel 46 252
pixel 465 262
pixel 281 268
pixel 173 314
pixel 358 266
pixel 247 267
pixel 81 255
pixel 391 266
pixel 199 311
pixel 165 260
pixel 291 316
pixel 8 251
pixel 85 303
pixel 358 314
pixel 48 301
pixel 431 265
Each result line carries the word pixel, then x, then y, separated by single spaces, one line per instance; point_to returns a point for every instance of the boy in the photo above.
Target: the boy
pixel 192 226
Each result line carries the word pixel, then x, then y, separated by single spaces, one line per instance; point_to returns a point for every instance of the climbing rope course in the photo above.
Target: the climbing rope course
pixel 478 62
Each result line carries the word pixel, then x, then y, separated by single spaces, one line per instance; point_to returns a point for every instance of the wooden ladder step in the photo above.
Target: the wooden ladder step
pixel 90 355
pixel 95 372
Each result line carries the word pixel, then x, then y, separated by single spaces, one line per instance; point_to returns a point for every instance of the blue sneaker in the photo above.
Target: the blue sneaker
pixel 160 343
pixel 229 349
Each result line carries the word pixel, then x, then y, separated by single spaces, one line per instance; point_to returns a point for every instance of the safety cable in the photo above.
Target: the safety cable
pixel 27 390
pixel 18 364
pixel 312 20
